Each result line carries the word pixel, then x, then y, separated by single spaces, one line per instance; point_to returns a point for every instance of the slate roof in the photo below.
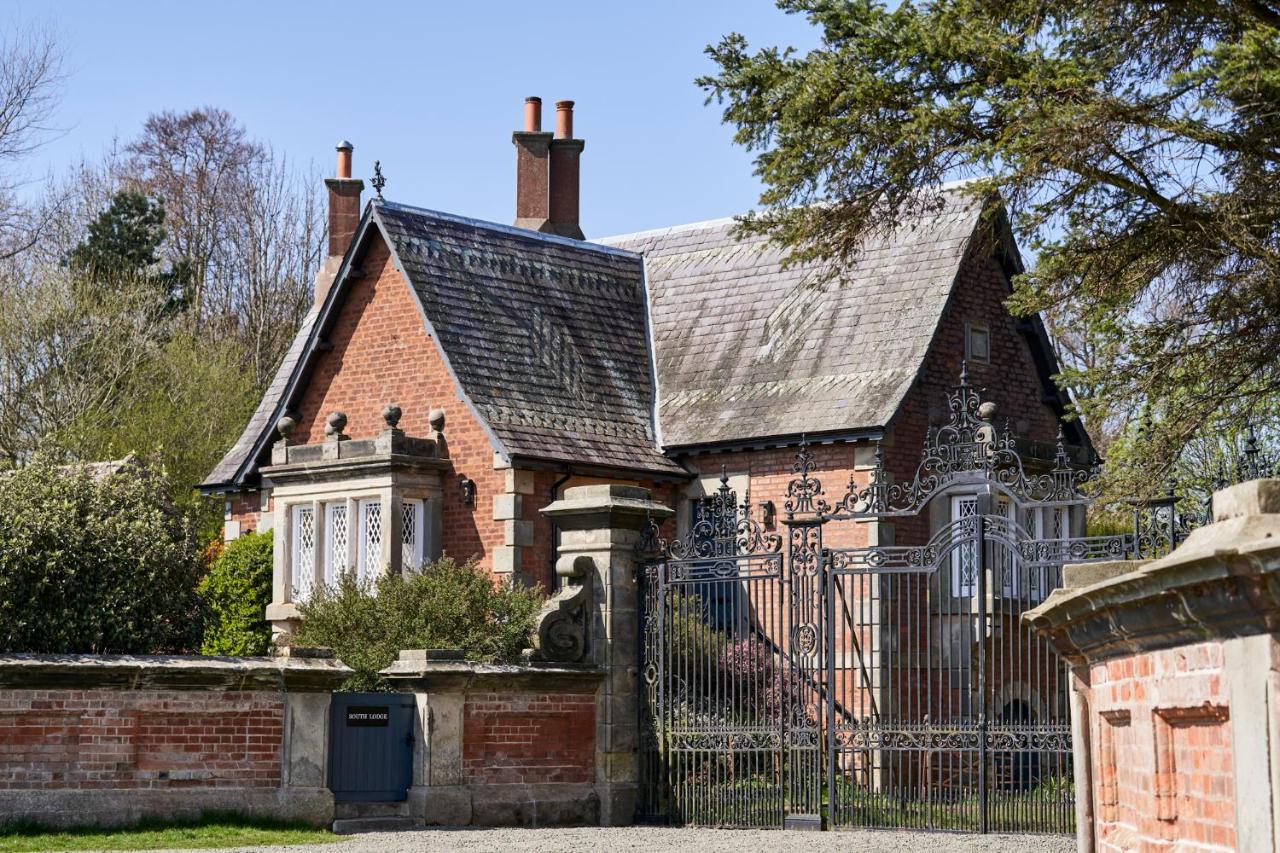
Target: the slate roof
pixel 748 350
pixel 546 337
pixel 549 338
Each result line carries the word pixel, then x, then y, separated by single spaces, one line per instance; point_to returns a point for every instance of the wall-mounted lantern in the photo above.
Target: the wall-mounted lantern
pixel 768 513
pixel 467 489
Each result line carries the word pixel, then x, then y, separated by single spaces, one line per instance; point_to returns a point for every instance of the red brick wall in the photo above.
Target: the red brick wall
pixel 1162 753
pixel 383 354
pixel 510 738
pixel 246 508
pixel 85 739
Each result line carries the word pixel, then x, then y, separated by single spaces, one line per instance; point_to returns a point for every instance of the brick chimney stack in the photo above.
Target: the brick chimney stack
pixel 344 218
pixel 565 154
pixel 532 177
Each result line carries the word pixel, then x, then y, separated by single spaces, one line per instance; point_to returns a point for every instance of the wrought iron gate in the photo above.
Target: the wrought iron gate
pixel 880 685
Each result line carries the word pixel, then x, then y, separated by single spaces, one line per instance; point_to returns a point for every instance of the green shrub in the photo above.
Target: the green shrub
pixel 236 593
pixel 95 562
pixel 444 606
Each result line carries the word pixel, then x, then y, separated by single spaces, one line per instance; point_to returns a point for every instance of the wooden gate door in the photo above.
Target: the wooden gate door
pixel 371 747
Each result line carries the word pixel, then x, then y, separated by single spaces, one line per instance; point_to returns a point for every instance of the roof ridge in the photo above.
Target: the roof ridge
pixel 669 229
pixel 510 230
pixel 945 187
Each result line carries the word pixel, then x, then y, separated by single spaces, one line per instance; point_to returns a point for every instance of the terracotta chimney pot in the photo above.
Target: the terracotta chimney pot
pixel 344 218
pixel 532 114
pixel 564 119
pixel 344 159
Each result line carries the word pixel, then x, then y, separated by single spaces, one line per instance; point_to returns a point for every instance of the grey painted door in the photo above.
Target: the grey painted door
pixel 370 746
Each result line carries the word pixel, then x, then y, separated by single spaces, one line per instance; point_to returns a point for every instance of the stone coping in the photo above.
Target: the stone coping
pixel 419 670
pixel 298 671
pixel 608 497
pixel 1222 582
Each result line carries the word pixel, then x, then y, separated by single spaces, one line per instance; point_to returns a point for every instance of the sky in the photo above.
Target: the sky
pixel 431 89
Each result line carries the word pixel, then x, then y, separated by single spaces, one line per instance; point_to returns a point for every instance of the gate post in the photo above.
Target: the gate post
pixel 600 526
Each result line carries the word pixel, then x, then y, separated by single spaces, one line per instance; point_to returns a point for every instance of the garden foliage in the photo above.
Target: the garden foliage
pixel 447 605
pixel 95 562
pixel 236 593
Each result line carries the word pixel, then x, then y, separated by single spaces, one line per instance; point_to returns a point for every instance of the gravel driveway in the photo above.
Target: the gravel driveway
pixel 656 840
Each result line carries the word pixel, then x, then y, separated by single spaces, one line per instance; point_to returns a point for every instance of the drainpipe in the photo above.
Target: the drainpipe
pixel 555 528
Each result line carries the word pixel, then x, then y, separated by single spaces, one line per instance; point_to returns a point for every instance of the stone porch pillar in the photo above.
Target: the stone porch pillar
pixel 600 526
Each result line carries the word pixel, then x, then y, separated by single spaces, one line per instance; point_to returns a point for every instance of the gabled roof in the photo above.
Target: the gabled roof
pixel 747 349
pixel 545 336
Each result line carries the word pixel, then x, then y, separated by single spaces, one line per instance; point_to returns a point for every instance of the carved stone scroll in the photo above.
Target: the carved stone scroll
pixel 561 635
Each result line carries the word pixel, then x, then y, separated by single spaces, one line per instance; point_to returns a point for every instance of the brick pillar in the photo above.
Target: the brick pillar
pixel 603 523
pixel 532 170
pixel 566 154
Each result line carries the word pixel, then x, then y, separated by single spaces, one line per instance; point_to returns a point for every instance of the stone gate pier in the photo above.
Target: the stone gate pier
pixel 1176 686
pixel 552 741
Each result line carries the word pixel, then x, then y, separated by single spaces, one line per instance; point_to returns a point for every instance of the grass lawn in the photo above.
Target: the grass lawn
pixel 210 832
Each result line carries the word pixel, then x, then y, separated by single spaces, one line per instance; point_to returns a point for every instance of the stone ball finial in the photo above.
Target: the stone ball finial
pixel 286 425
pixel 436 418
pixel 987 411
pixel 391 414
pixel 337 423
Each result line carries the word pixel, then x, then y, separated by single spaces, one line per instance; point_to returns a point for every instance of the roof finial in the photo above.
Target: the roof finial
pixel 378 181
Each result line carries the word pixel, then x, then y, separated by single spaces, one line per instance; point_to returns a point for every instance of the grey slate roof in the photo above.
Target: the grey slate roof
pixel 748 350
pixel 546 337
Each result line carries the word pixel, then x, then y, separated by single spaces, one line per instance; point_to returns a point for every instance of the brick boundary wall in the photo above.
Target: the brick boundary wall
pixel 505 745
pixel 1175 686
pixel 110 740
pixel 528 738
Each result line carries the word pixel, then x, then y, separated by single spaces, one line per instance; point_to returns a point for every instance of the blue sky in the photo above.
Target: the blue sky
pixel 431 89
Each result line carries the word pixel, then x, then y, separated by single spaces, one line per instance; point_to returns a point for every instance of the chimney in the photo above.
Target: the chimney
pixel 344 217
pixel 532 210
pixel 565 154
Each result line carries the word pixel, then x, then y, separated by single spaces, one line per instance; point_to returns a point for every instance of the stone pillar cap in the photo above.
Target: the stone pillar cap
pixel 609 497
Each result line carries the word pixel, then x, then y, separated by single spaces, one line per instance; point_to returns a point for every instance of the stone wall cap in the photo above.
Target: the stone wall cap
pixel 186 672
pixel 1223 581
pixel 464 675
pixel 1256 497
pixel 1077 575
pixel 626 500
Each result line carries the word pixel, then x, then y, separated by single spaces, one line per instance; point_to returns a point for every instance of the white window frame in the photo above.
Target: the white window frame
pixel 967 552
pixel 337 548
pixel 302 555
pixel 369 553
pixel 412 533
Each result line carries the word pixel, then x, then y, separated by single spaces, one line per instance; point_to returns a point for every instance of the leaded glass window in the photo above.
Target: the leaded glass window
pixel 304 551
pixel 964 559
pixel 370 561
pixel 336 541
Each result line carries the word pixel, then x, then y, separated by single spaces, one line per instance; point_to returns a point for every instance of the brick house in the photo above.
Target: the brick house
pixel 455 376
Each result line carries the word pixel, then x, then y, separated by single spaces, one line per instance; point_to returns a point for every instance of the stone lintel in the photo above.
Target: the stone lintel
pixel 171 672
